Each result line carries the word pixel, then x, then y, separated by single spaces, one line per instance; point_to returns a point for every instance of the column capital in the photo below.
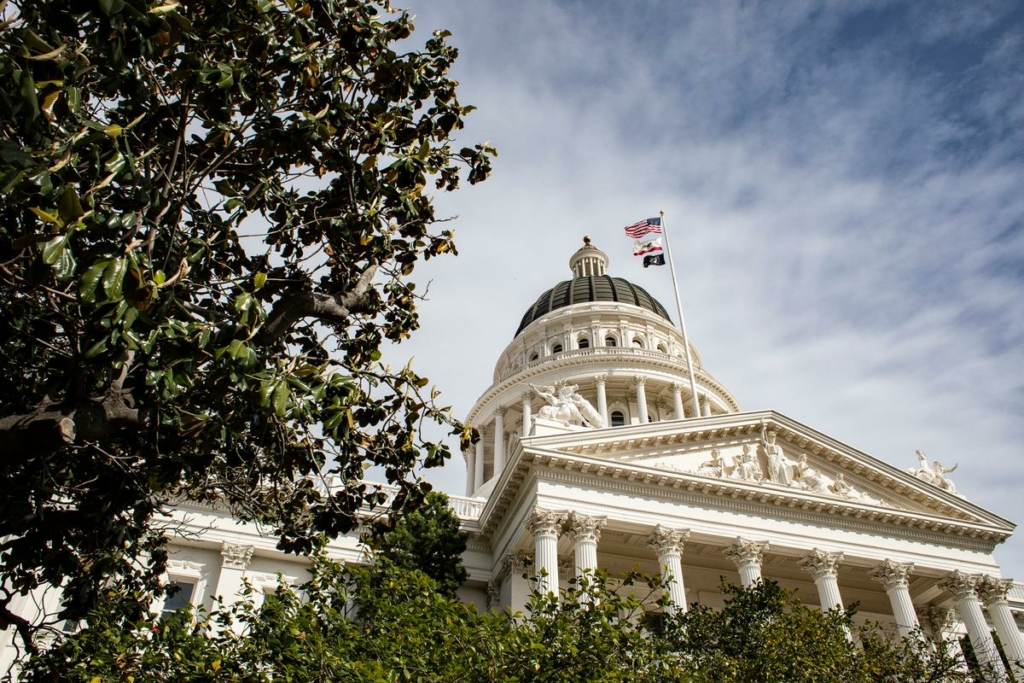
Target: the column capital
pixel 236 556
pixel 677 387
pixel 527 395
pixel 640 380
pixel 601 379
pixel 545 523
pixel 584 528
pixel 991 589
pixel 961 585
pixel 820 563
pixel 746 553
pixel 941 619
pixel 515 563
pixel 668 541
pixel 892 574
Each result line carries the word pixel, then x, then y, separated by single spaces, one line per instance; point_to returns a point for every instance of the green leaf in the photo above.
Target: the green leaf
pixel 91 280
pixel 27 89
pixel 259 280
pixel 97 348
pixel 281 395
pixel 54 249
pixel 70 207
pixel 110 7
pixel 113 278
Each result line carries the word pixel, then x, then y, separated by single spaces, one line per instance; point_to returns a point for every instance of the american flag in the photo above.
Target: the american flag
pixel 644 227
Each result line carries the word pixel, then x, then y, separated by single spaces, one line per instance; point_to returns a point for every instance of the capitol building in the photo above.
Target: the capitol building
pixel 603 446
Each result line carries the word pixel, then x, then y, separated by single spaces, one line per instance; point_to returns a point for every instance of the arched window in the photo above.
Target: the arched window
pixel 609 341
pixel 557 348
pixel 661 347
pixel 584 343
pixel 533 357
pixel 618 419
pixel 638 342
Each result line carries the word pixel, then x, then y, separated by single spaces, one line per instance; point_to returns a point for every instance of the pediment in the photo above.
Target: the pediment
pixel 730 454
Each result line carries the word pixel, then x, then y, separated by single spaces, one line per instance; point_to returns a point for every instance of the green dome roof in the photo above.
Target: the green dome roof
pixel 581 290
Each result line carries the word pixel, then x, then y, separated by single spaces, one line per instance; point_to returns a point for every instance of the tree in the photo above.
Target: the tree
pixel 209 215
pixel 429 540
pixel 384 623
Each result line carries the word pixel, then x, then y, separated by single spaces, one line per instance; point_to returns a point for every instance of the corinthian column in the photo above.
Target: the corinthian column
pixel 748 556
pixel 894 577
pixel 641 398
pixel 470 469
pixel 993 591
pixel 824 568
pixel 478 474
pixel 602 398
pixel 544 526
pixel 585 532
pixel 677 400
pixel 963 587
pixel 499 443
pixel 669 544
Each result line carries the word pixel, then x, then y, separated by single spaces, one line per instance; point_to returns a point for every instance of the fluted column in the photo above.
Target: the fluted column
pixel 895 578
pixel 705 406
pixel 499 443
pixel 963 587
pixel 470 470
pixel 824 568
pixel 602 398
pixel 669 545
pixel 527 413
pixel 478 476
pixel 641 398
pixel 544 526
pixel 585 532
pixel 748 556
pixel 677 400
pixel 993 592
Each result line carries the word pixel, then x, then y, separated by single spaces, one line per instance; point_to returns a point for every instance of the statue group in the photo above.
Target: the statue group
pixel 566 406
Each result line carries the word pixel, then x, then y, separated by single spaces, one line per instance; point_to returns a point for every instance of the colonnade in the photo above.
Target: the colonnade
pixel 476 457
pixel 970 591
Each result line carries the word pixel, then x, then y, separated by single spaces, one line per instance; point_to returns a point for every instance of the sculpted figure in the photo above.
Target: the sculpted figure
pixel 747 467
pixel 566 405
pixel 776 460
pixel 806 477
pixel 935 474
pixel 715 467
pixel 843 489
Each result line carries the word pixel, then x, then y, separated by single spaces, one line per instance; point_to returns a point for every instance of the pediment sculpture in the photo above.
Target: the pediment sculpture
pixel 777 462
pixel 715 467
pixel 747 468
pixel 565 405
pixel 935 474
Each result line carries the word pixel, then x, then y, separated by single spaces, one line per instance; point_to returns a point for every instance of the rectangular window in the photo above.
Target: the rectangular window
pixel 180 599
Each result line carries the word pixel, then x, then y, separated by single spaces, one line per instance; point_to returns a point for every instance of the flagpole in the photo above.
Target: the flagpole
pixel 682 321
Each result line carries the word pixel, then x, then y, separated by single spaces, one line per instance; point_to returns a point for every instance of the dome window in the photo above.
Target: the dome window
pixel 557 348
pixel 533 357
pixel 661 347
pixel 609 341
pixel 583 343
pixel 618 419
pixel 638 342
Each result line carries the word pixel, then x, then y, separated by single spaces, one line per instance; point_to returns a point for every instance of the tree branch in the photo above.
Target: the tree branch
pixel 52 425
pixel 296 305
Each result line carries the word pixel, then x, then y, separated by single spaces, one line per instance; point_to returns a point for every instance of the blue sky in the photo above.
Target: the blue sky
pixel 843 182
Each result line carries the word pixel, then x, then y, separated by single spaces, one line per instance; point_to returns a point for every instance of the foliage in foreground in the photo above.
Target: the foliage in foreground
pixel 209 215
pixel 389 624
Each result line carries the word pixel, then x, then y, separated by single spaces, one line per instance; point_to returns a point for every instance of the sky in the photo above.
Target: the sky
pixel 842 183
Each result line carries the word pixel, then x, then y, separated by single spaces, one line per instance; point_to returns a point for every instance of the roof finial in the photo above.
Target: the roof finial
pixel 586 240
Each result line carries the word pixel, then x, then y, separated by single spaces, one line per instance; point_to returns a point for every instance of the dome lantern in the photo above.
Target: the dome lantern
pixel 588 261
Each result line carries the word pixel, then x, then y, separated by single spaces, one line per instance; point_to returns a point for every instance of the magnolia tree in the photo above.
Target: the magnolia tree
pixel 209 215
